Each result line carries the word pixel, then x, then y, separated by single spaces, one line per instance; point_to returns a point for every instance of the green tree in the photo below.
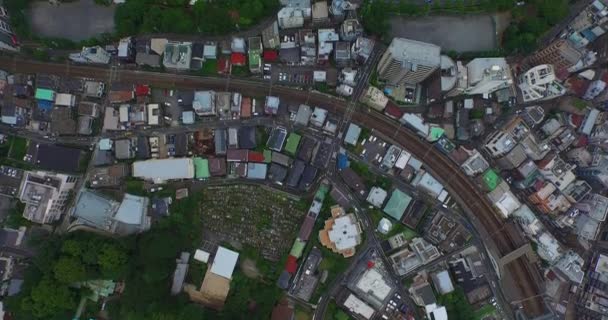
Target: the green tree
pixel 69 270
pixel 49 298
pixel 373 15
pixel 112 261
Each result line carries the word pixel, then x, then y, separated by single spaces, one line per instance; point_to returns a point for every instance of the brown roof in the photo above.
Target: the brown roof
pixel 120 96
pixel 282 311
pixel 246 108
pixel 217 167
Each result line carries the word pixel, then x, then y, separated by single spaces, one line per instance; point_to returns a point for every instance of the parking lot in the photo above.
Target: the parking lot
pixel 10 179
pixel 77 20
pixel 292 75
pixel 168 100
pixel 459 33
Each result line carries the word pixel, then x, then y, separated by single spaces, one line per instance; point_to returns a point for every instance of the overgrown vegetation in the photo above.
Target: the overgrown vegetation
pixel 204 17
pixel 457 305
pixel 530 22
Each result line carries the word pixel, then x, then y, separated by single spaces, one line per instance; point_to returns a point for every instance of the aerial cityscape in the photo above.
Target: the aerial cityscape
pixel 303 159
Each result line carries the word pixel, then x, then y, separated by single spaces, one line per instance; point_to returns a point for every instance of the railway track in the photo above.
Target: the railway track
pixel 459 185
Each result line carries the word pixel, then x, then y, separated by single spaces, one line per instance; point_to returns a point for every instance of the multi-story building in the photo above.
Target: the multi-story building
pixel 486 75
pixel 45 195
pixel 540 83
pixel 560 53
pixel 408 62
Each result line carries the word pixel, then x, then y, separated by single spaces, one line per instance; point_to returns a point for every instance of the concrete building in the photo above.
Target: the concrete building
pixel 486 75
pixel 320 12
pixel 540 83
pixel 177 55
pixel 204 103
pixel 377 196
pixel 290 18
pixel 342 232
pixel 45 195
pixel 96 55
pixel 560 53
pixel 162 170
pixel 408 62
pixel 270 36
pixel 374 98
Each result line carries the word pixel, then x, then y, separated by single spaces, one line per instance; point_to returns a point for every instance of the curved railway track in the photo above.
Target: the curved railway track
pixel 459 185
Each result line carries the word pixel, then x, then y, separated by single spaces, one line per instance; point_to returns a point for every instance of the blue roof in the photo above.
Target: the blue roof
pixel 45 105
pixel 94 210
pixel 589 35
pixel 342 161
pixel 256 170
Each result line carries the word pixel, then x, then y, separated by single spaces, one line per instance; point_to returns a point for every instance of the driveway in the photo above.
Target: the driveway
pixel 73 20
pixel 459 33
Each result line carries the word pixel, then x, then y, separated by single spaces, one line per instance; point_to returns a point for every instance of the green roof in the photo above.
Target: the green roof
pixel 436 133
pixel 201 167
pixel 254 58
pixel 397 204
pixel 293 140
pixel 267 156
pixel 491 179
pixel 298 248
pixel 45 94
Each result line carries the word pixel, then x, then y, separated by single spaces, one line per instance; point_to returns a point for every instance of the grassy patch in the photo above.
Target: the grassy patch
pixel 302 314
pixel 18 148
pixel 196 273
pixel 369 178
pixel 400 228
pixel 334 313
pixel 579 104
pixel 240 71
pixel 457 305
pixel 15 218
pixel 135 187
pixel 209 67
pixel 485 311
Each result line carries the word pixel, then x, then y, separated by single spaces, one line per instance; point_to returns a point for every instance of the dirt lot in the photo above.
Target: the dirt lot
pixel 76 20
pixel 459 33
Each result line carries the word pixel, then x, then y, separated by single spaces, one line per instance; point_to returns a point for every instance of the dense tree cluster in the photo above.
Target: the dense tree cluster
pixel 532 21
pixel 49 290
pixel 176 16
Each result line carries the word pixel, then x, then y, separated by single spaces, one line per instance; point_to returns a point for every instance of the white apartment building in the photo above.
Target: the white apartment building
pixel 408 62
pixel 45 195
pixel 540 83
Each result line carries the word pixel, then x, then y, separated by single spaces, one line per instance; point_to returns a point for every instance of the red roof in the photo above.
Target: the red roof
pixel 291 265
pixel 238 59
pixel 605 77
pixel 576 120
pixel 583 141
pixel 223 65
pixel 245 107
pixel 142 90
pixel 370 264
pixel 270 55
pixel 393 110
pixel 255 156
pixel 578 86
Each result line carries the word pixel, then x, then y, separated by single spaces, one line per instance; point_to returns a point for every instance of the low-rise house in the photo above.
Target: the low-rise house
pixel 177 55
pixel 94 55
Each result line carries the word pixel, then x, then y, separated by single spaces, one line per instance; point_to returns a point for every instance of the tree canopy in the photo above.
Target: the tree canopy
pixel 176 16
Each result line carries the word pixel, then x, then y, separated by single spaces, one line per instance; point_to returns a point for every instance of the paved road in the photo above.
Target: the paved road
pixel 471 199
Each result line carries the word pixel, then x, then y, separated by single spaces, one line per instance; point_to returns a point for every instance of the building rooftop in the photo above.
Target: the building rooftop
pixel 161 170
pixel 94 210
pixel 397 204
pixel 224 262
pixel 415 52
pixel 132 210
